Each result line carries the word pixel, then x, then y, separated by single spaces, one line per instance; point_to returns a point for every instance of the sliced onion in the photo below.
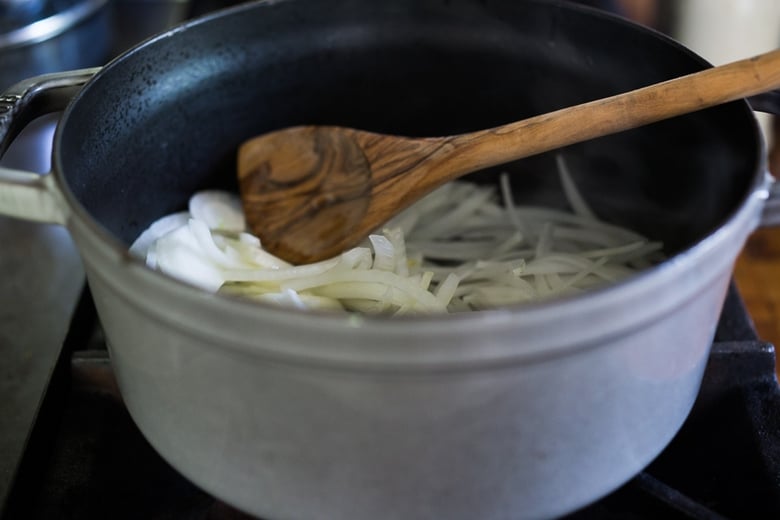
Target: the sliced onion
pixel 158 229
pixel 218 210
pixel 460 248
pixel 576 201
pixel 384 253
pixel 179 255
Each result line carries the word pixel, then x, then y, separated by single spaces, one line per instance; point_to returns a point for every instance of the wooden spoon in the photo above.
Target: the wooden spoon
pixel 310 192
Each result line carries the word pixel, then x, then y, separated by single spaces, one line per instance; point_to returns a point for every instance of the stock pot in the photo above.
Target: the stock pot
pixel 529 411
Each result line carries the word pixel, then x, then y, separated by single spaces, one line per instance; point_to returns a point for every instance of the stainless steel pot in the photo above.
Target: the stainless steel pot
pixel 523 412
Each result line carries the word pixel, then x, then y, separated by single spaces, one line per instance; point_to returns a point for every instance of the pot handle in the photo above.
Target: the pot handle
pixel 23 194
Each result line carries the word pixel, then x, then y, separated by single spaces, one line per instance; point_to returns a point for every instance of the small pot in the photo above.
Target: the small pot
pixel 528 411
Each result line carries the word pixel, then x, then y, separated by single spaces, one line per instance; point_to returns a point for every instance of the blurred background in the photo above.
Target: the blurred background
pixel 723 31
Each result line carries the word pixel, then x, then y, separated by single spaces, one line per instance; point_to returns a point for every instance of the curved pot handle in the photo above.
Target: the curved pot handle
pixel 23 194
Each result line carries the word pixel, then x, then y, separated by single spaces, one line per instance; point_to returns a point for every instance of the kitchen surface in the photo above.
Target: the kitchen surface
pixel 758 277
pixel 724 30
pixel 758 270
pixel 69 448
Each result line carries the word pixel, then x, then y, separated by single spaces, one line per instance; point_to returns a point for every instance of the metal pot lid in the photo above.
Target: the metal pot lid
pixel 24 22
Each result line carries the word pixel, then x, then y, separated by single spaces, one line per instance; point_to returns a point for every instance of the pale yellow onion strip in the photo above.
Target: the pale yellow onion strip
pixel 590 237
pixel 439 273
pixel 446 290
pixel 202 234
pixel 484 270
pixel 514 240
pixel 279 275
pixel 639 253
pixel 488 297
pixel 613 251
pixel 156 230
pixel 554 216
pixel 250 289
pixel 218 210
pixel 511 208
pixel 506 278
pixel 248 247
pixel 425 298
pixel 507 281
pixel 320 284
pixel 540 284
pixel 396 238
pixel 179 255
pixel 452 250
pixel 366 306
pixel 425 280
pixel 573 280
pixel 558 263
pixel 545 242
pixel 497 232
pixel 355 258
pixel 573 195
pixel 554 282
pixel 452 221
pixel 384 253
pixel 302 301
pixel 623 254
pixel 490 236
pixel 351 291
pixel 429 207
pixel 571 264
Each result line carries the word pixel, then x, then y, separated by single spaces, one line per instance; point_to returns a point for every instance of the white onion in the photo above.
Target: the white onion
pixel 218 210
pixel 158 229
pixel 460 248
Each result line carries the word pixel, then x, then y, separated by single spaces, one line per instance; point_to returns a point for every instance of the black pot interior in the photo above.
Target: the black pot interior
pixel 166 119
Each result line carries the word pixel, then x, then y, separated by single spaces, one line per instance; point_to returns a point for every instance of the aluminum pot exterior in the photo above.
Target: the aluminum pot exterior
pixel 218 391
pixel 523 412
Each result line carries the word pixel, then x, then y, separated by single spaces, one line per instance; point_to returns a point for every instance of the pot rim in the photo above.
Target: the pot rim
pixel 420 339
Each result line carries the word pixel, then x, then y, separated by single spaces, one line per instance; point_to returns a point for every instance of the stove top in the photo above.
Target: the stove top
pixel 87 460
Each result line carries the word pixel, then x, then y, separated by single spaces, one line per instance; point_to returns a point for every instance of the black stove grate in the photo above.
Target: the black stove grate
pixel 87 460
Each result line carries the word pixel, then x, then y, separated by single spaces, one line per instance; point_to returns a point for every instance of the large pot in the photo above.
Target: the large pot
pixel 528 411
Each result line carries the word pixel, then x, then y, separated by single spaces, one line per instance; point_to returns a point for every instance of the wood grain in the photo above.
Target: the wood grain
pixel 311 192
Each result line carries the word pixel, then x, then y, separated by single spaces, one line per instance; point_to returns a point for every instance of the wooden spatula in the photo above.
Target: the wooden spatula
pixel 310 192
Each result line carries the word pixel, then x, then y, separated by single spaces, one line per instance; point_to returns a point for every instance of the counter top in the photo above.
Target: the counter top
pixel 41 278
pixel 757 274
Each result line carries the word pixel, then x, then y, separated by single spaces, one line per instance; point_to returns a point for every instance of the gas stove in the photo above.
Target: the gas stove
pixel 86 459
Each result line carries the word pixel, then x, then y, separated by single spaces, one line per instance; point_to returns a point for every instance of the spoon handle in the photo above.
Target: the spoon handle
pixel 606 116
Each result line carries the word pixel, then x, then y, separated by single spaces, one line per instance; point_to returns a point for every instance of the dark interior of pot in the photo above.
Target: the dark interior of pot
pixel 166 119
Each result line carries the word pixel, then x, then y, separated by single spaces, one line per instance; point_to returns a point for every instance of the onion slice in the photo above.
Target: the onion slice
pixel 463 247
